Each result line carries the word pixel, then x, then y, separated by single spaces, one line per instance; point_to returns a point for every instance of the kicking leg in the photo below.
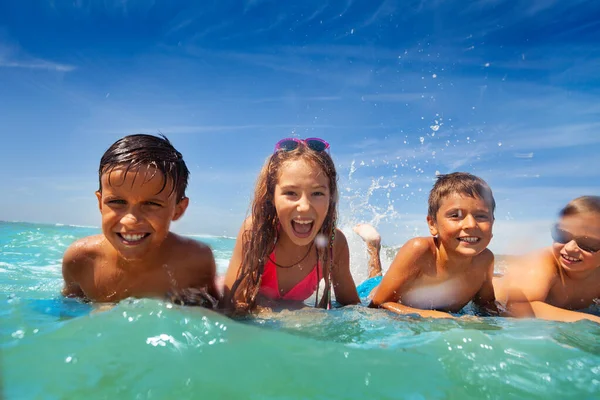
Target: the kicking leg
pixel 373 240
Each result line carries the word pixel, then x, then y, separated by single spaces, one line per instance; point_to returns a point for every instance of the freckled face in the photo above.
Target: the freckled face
pixel 302 200
pixel 582 229
pixel 136 213
pixel 463 224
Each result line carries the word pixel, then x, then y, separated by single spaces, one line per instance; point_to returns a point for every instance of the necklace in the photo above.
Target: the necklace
pixel 296 263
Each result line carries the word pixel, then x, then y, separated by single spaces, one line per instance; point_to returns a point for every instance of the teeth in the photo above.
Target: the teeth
pixel 305 222
pixel 572 259
pixel 132 238
pixel 469 239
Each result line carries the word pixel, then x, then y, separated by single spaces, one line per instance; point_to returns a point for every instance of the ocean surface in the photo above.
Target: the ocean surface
pixel 146 349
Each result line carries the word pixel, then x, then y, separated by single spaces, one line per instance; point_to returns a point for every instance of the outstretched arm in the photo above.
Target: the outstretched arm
pixel 343 284
pixel 485 298
pixel 405 268
pixel 541 310
pixel 402 309
pixel 526 286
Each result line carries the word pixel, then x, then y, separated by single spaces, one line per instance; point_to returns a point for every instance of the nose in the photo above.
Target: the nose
pixel 571 246
pixel 303 204
pixel 130 217
pixel 469 221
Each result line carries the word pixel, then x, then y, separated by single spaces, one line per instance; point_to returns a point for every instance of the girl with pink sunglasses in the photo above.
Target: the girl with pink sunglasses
pixel 290 243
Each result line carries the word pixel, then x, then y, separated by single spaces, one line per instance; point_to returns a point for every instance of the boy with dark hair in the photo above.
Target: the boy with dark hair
pixel 142 189
pixel 432 276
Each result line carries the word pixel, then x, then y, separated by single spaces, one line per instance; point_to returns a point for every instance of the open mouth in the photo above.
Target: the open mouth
pixel 302 228
pixel 131 239
pixel 469 239
pixel 568 259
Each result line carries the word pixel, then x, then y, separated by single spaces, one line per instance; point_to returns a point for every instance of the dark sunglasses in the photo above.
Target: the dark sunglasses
pixel 584 243
pixel 289 144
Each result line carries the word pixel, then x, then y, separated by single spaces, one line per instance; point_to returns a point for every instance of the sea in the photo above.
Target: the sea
pixel 55 348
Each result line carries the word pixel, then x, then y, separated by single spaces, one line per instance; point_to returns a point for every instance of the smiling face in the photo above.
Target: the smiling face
pixel 463 224
pixel 580 229
pixel 137 211
pixel 301 198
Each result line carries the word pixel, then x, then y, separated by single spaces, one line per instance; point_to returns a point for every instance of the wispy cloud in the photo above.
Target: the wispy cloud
pixel 315 14
pixel 562 136
pixel 250 4
pixel 393 97
pixel 385 9
pixel 190 129
pixel 12 56
pixel 294 99
pixel 38 64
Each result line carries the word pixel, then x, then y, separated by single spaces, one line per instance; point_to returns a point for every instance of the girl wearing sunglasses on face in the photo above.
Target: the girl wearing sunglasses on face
pixel 290 243
pixel 555 282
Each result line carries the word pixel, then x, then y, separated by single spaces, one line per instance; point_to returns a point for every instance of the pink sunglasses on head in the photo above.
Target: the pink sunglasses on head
pixel 289 144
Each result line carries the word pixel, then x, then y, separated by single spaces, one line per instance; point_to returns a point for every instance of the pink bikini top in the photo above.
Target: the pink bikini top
pixel 269 286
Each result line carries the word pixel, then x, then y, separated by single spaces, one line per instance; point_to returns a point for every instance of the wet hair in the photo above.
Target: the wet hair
pixel 259 241
pixel 580 205
pixel 140 150
pixel 461 183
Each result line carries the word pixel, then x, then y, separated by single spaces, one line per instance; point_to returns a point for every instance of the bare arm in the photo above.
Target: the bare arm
pixel 71 266
pixel 402 309
pixel 343 284
pixel 234 264
pixel 405 268
pixel 526 288
pixel 485 298
pixel 207 272
pixel 198 286
pixel 541 310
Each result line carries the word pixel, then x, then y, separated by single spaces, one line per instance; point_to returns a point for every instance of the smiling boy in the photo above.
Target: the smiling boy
pixel 142 190
pixel 432 276
pixel 559 282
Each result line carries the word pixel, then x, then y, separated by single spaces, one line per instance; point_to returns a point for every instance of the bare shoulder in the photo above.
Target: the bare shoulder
pixel 535 271
pixel 247 224
pixel 538 263
pixel 340 242
pixel 414 255
pixel 484 259
pixel 189 249
pixel 419 246
pixel 83 252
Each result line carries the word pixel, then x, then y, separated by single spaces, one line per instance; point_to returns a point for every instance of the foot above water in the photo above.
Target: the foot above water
pixel 368 233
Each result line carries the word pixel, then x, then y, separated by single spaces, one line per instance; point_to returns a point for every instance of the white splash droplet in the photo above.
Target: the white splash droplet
pixel 321 241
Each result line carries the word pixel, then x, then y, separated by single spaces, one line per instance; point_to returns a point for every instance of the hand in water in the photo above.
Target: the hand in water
pixel 193 297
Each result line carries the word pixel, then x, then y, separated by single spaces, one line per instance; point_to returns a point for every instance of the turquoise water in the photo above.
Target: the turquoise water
pixel 147 349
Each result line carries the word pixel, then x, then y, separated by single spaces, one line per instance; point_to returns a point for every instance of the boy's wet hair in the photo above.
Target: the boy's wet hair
pixel 258 242
pixel 580 205
pixel 140 150
pixel 461 183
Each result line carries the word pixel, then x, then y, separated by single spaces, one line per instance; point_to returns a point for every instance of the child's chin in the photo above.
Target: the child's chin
pixel 471 251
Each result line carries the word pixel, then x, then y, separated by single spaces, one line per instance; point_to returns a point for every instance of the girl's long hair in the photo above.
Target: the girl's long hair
pixel 259 241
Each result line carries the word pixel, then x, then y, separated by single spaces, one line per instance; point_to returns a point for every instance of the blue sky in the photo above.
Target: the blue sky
pixel 508 90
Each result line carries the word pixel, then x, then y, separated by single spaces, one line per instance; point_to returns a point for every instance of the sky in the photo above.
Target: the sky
pixel 402 90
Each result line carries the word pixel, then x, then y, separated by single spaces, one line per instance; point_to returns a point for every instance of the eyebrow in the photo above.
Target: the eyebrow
pixel 478 210
pixel 296 187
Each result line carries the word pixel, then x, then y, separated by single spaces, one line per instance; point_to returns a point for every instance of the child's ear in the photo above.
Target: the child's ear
pixel 99 197
pixel 432 226
pixel 180 208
